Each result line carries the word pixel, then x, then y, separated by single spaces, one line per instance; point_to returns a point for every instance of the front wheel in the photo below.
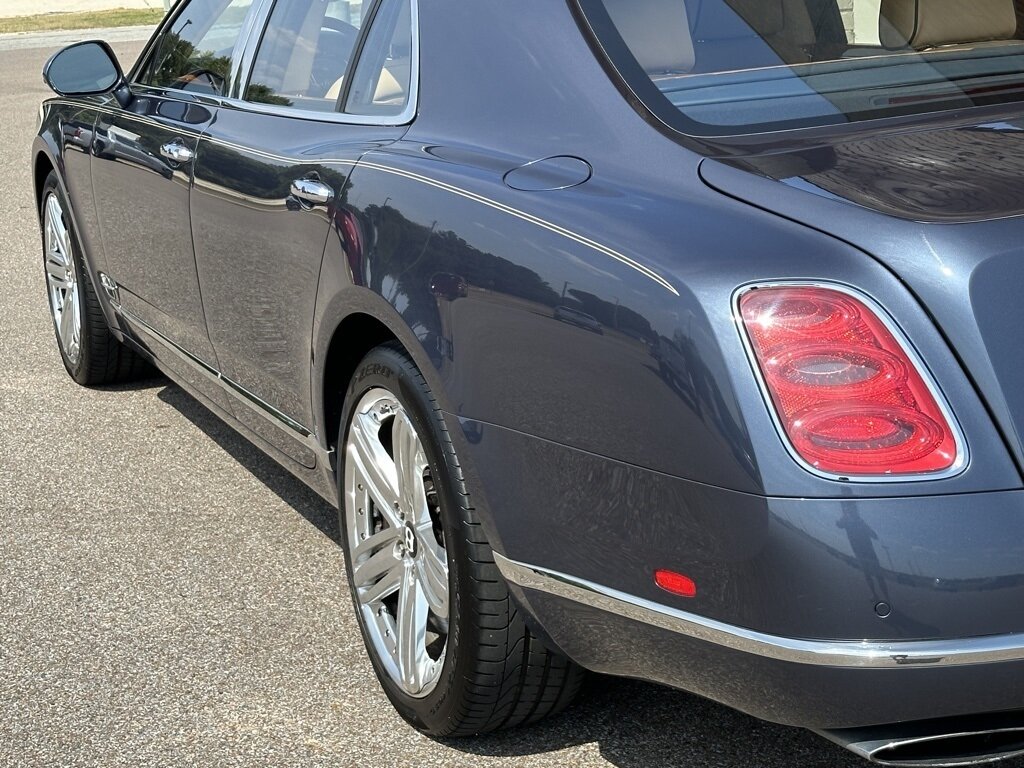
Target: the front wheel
pixel 90 353
pixel 446 641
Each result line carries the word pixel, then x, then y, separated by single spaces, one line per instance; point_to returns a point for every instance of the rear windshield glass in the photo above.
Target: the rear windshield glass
pixel 719 67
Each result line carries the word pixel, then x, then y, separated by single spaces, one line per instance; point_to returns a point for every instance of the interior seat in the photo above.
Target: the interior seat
pixel 930 24
pixel 389 89
pixel 657 31
pixel 785 25
pixel 672 37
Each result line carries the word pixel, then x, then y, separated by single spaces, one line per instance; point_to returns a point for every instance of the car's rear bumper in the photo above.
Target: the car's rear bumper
pixel 814 684
pixel 859 654
pixel 825 613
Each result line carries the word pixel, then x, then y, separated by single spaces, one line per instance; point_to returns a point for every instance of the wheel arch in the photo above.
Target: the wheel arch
pixel 350 321
pixel 47 149
pixel 359 321
pixel 42 166
pixel 352 339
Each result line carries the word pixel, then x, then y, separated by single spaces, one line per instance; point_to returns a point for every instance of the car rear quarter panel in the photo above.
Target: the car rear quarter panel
pixel 605 455
pixel 644 246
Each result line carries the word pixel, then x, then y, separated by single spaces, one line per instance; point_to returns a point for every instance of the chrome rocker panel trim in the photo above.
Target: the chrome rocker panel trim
pixel 829 653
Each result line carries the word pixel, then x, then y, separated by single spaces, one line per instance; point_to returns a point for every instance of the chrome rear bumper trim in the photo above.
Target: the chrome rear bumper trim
pixel 828 653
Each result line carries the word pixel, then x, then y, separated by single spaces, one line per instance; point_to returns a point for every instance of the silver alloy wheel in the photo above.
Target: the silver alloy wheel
pixel 62 279
pixel 396 543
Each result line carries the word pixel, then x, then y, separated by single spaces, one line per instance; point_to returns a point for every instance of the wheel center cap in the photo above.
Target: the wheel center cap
pixel 410 541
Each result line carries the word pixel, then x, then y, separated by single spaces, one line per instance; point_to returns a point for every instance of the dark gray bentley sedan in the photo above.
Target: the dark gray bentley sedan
pixel 673 339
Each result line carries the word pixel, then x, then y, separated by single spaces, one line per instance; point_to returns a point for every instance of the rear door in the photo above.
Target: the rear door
pixel 143 165
pixel 270 174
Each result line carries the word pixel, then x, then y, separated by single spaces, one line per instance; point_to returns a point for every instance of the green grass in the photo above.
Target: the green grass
pixel 122 17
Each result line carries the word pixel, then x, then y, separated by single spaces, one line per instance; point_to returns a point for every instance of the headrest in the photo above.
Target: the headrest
pixel 930 23
pixel 657 31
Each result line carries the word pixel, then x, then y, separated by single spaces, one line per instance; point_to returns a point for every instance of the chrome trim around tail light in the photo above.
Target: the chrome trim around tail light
pixel 829 653
pixel 963 455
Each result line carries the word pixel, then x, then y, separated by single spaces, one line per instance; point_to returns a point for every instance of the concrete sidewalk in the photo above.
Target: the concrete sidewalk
pixel 36 7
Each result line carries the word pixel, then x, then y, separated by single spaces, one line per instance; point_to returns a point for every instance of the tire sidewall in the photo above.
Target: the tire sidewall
pixel 388 368
pixel 78 370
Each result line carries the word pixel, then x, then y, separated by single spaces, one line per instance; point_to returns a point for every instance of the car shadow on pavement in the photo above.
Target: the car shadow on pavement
pixel 151 381
pixel 288 488
pixel 634 724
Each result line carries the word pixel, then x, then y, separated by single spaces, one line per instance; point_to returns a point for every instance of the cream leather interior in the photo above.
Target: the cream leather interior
pixel 388 89
pixel 784 24
pixel 931 23
pixel 300 65
pixel 663 47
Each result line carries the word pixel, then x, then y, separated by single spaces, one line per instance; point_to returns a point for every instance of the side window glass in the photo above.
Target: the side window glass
pixel 194 54
pixel 304 54
pixel 382 81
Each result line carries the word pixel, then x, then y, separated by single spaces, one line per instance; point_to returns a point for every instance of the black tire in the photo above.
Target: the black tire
pixel 102 359
pixel 496 673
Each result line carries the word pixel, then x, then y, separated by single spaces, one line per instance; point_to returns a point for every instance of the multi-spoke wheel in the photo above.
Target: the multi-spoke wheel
pixel 62 279
pixel 396 540
pixel 90 352
pixel 446 641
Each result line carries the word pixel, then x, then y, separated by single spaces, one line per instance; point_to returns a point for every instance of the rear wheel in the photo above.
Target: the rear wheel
pixel 446 641
pixel 91 354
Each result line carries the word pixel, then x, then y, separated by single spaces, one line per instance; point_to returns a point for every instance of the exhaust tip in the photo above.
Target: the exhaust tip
pixel 975 740
pixel 954 749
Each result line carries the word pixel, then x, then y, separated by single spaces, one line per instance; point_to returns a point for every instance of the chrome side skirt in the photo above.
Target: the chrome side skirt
pixel 831 653
pixel 290 426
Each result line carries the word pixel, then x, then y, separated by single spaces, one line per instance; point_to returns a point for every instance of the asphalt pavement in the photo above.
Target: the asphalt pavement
pixel 171 597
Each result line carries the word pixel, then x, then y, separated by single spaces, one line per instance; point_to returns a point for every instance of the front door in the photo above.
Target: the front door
pixel 270 174
pixel 144 160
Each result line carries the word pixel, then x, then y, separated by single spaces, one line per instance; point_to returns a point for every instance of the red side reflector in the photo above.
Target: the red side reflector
pixel 675 583
pixel 847 393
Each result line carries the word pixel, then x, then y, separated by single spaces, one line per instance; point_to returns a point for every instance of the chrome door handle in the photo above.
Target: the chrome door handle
pixel 177 152
pixel 312 191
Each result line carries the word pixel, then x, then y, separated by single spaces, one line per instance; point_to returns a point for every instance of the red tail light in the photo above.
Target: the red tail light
pixel 848 395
